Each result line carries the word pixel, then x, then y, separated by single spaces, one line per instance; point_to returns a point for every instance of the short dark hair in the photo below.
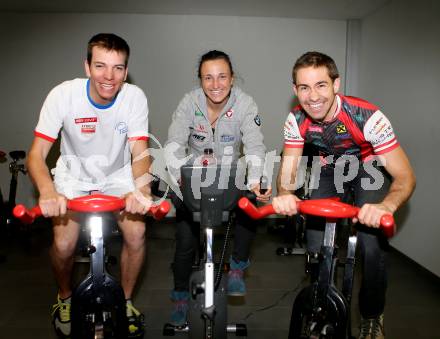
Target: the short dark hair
pixel 214 55
pixel 110 42
pixel 316 59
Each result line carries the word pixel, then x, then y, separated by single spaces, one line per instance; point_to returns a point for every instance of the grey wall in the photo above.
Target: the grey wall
pixel 41 50
pixel 400 71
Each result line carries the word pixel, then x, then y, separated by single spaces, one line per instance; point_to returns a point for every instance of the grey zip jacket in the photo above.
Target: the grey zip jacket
pixel 239 123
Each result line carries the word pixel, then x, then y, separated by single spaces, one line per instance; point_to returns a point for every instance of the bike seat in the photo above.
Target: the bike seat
pixel 16 155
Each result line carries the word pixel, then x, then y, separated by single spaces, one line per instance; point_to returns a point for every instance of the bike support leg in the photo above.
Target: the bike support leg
pixel 209 272
pixel 208 311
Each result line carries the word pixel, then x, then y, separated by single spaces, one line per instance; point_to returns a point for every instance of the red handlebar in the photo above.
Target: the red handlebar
pixel 96 203
pixel 327 208
pixel 90 204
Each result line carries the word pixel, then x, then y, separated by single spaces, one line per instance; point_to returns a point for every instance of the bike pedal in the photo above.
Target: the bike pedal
pixel 241 330
pixel 284 251
pixel 137 336
pixel 170 329
pixel 60 335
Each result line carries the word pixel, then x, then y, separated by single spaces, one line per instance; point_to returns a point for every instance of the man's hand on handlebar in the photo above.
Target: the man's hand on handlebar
pixel 138 202
pixel 285 204
pixel 263 197
pixel 52 204
pixel 370 214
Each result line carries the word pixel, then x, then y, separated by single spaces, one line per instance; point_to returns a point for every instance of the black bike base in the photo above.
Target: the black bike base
pixel 99 313
pixel 329 320
pixel 286 251
pixel 197 321
pixel 170 330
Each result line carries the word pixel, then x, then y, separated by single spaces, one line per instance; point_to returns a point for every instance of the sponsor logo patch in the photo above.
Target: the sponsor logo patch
pixel 88 128
pixel 229 113
pixel 314 128
pixel 86 120
pixel 289 135
pixel 227 138
pixel 343 136
pixel 198 113
pixel 340 129
pixel 257 120
pixel 121 127
pixel 200 129
pixel 88 125
pixel 379 128
pixel 344 144
pixel 199 137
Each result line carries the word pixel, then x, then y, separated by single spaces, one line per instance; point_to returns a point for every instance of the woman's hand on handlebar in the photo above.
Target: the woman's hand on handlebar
pixel 138 202
pixel 285 204
pixel 371 214
pixel 263 197
pixel 52 204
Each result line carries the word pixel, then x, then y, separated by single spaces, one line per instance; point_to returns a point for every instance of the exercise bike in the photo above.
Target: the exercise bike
pixel 14 168
pixel 6 218
pixel 321 310
pixel 98 303
pixel 209 191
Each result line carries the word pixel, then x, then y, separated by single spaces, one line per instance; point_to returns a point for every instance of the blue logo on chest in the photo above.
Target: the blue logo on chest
pixel 227 138
pixel 121 127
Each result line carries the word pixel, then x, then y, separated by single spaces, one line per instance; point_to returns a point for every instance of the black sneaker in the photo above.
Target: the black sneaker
pixel 136 322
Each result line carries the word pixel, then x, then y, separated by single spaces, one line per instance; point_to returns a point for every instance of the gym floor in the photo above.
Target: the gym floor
pixel 27 288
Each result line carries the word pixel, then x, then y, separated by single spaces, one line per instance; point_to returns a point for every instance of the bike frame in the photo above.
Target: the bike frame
pixel 99 295
pixel 323 293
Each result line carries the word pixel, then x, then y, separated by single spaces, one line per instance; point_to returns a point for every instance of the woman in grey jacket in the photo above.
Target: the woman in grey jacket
pixel 221 117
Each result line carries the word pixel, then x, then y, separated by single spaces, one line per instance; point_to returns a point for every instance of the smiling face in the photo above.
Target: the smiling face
pixel 107 72
pixel 216 81
pixel 316 92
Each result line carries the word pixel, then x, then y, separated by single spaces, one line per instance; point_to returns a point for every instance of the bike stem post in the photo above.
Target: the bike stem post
pixel 96 249
pixel 326 265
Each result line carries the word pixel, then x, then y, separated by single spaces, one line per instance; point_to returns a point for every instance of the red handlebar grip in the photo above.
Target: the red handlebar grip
pixel 26 216
pixel 248 208
pixel 387 225
pixel 161 210
pixel 254 212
